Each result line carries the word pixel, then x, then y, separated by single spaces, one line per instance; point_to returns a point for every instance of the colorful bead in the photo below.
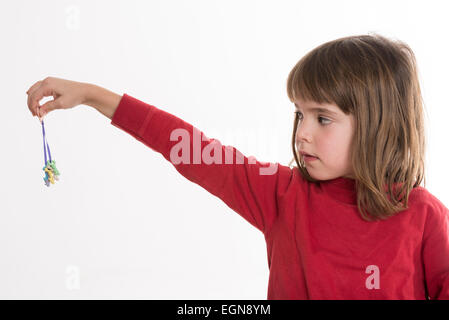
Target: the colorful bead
pixel 51 173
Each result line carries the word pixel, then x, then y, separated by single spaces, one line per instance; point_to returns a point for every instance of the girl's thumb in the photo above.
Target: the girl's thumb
pixel 47 107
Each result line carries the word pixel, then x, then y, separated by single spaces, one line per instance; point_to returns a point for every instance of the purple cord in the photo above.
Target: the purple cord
pixel 48 148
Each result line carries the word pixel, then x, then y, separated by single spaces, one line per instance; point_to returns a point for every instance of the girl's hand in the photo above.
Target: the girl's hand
pixel 66 94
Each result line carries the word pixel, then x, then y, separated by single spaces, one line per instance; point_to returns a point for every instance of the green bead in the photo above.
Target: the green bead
pixel 53 166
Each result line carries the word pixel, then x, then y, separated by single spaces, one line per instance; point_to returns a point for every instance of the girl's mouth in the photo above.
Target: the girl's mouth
pixel 309 158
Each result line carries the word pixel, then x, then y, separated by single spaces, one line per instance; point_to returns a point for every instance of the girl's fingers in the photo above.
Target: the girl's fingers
pixel 33 87
pixel 30 96
pixel 37 95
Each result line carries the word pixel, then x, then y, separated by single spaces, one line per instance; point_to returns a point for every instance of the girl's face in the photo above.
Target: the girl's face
pixel 325 132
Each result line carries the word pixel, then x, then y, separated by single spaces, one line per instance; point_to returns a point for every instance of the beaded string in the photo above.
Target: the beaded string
pixel 51 172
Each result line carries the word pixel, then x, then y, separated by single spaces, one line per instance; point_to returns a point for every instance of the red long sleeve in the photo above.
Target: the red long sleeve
pixel 248 188
pixel 318 245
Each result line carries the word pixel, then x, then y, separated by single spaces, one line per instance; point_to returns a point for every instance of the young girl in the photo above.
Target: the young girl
pixel 350 220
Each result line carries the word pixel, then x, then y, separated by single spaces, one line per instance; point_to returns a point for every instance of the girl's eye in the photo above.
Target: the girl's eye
pixel 327 121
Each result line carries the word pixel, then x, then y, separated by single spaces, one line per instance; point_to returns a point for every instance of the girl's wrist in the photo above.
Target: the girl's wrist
pixel 90 92
pixel 105 101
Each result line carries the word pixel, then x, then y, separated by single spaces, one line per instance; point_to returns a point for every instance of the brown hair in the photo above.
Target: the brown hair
pixel 376 80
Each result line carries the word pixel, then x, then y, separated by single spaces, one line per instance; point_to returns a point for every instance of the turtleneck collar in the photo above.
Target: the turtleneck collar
pixel 341 189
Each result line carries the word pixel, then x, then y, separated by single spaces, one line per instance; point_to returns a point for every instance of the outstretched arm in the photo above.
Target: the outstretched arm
pixel 248 186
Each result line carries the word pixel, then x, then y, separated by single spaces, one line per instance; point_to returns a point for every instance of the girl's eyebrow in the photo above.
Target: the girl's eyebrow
pixel 318 109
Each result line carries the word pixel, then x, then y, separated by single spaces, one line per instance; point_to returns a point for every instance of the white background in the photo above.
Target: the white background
pixel 122 223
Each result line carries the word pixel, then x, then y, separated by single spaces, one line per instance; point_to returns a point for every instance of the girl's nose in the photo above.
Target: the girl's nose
pixel 303 136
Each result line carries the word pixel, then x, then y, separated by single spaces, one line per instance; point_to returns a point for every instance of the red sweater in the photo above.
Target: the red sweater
pixel 318 246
